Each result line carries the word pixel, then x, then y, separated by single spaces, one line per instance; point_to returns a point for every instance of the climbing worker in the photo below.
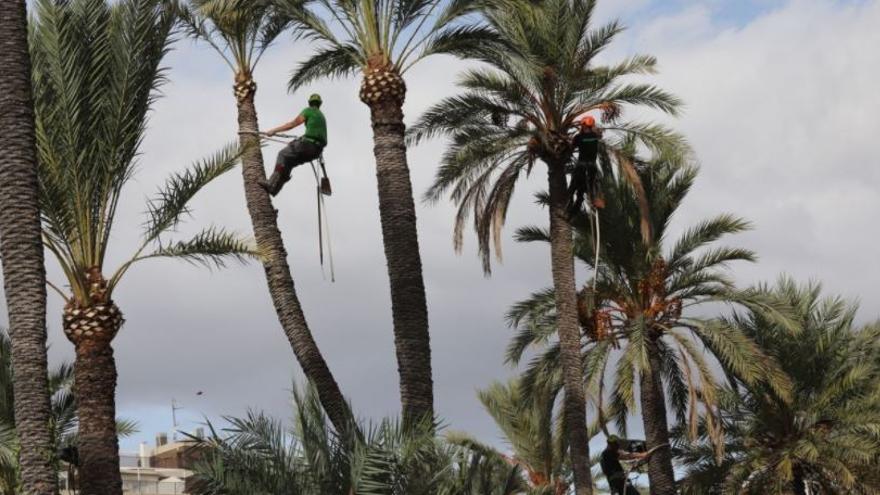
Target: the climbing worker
pixel 613 470
pixel 585 176
pixel 301 150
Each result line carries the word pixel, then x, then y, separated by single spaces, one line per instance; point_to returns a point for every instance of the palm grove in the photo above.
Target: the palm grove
pixel 767 389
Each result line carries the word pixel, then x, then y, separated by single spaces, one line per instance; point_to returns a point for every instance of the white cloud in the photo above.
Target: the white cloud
pixel 781 113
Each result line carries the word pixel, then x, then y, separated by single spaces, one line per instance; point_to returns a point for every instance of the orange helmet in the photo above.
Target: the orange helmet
pixel 588 121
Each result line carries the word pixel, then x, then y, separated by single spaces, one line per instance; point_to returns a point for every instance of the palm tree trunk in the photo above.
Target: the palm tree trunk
pixel 21 252
pixel 281 287
pixel 569 330
pixel 653 399
pixel 94 387
pixel 400 236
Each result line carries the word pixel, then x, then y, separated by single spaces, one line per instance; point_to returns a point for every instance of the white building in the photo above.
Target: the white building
pixel 161 470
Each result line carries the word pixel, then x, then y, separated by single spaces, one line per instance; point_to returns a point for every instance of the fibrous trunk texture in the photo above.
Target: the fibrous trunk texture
pixel 21 251
pixel 95 391
pixel 653 399
pixel 569 331
pixel 281 287
pixel 383 92
pixel 91 328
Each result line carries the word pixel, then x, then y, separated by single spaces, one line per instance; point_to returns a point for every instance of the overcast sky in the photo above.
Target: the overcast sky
pixel 782 109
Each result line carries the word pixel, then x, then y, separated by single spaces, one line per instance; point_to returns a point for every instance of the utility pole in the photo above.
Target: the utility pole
pixel 174 408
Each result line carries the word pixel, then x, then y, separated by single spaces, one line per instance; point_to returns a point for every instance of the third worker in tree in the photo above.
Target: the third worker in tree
pixel 613 470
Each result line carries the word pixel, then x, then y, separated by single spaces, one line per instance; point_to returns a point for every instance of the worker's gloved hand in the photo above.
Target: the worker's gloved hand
pixel 271 133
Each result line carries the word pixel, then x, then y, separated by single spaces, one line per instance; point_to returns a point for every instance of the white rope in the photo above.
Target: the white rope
pixel 323 226
pixel 329 242
pixel 262 135
pixel 597 248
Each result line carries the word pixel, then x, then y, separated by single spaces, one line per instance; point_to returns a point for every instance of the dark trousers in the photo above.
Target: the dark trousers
pixel 584 181
pixel 296 153
pixel 619 485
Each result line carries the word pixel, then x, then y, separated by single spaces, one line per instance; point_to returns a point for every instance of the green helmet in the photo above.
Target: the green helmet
pixel 315 98
pixel 613 439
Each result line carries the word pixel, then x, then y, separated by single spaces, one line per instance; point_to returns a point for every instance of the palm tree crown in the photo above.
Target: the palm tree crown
pixel 240 31
pixel 532 431
pixel 522 107
pixel 824 440
pixel 381 36
pixel 91 119
pixel 643 292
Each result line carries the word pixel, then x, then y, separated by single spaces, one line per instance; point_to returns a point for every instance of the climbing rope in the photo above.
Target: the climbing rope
pixel 323 222
pixel 278 138
pixel 597 248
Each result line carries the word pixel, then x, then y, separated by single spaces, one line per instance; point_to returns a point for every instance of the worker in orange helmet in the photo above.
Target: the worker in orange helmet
pixel 585 175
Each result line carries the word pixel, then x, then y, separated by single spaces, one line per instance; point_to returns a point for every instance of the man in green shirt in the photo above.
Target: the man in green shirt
pixel 301 150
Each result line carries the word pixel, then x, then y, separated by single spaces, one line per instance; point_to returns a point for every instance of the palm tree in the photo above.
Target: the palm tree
pixel 532 432
pixel 519 110
pixel 384 39
pixel 96 70
pixel 259 455
pixel 240 31
pixel 21 251
pixel 639 316
pixel 826 440
pixel 11 468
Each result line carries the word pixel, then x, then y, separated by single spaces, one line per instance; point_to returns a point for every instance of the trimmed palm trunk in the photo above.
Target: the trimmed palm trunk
pixel 653 399
pixel 270 243
pixel 21 252
pixel 384 91
pixel 91 328
pixel 97 442
pixel 574 405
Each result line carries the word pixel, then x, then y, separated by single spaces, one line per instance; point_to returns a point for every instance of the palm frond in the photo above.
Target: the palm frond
pixel 96 71
pixel 331 62
pixel 170 204
pixel 239 30
pixel 825 435
pixel 210 247
pixel 705 233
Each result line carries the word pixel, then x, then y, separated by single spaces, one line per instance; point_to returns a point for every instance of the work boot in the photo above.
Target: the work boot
pixel 264 185
pixel 276 181
pixel 271 186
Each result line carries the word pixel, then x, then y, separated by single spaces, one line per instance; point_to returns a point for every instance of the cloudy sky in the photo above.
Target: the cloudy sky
pixel 781 108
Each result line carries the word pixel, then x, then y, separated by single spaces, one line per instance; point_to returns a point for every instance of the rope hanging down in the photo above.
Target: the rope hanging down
pixel 323 189
pixel 597 248
pixel 323 221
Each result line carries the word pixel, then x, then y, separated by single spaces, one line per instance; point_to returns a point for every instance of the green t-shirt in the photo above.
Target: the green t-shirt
pixel 316 125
